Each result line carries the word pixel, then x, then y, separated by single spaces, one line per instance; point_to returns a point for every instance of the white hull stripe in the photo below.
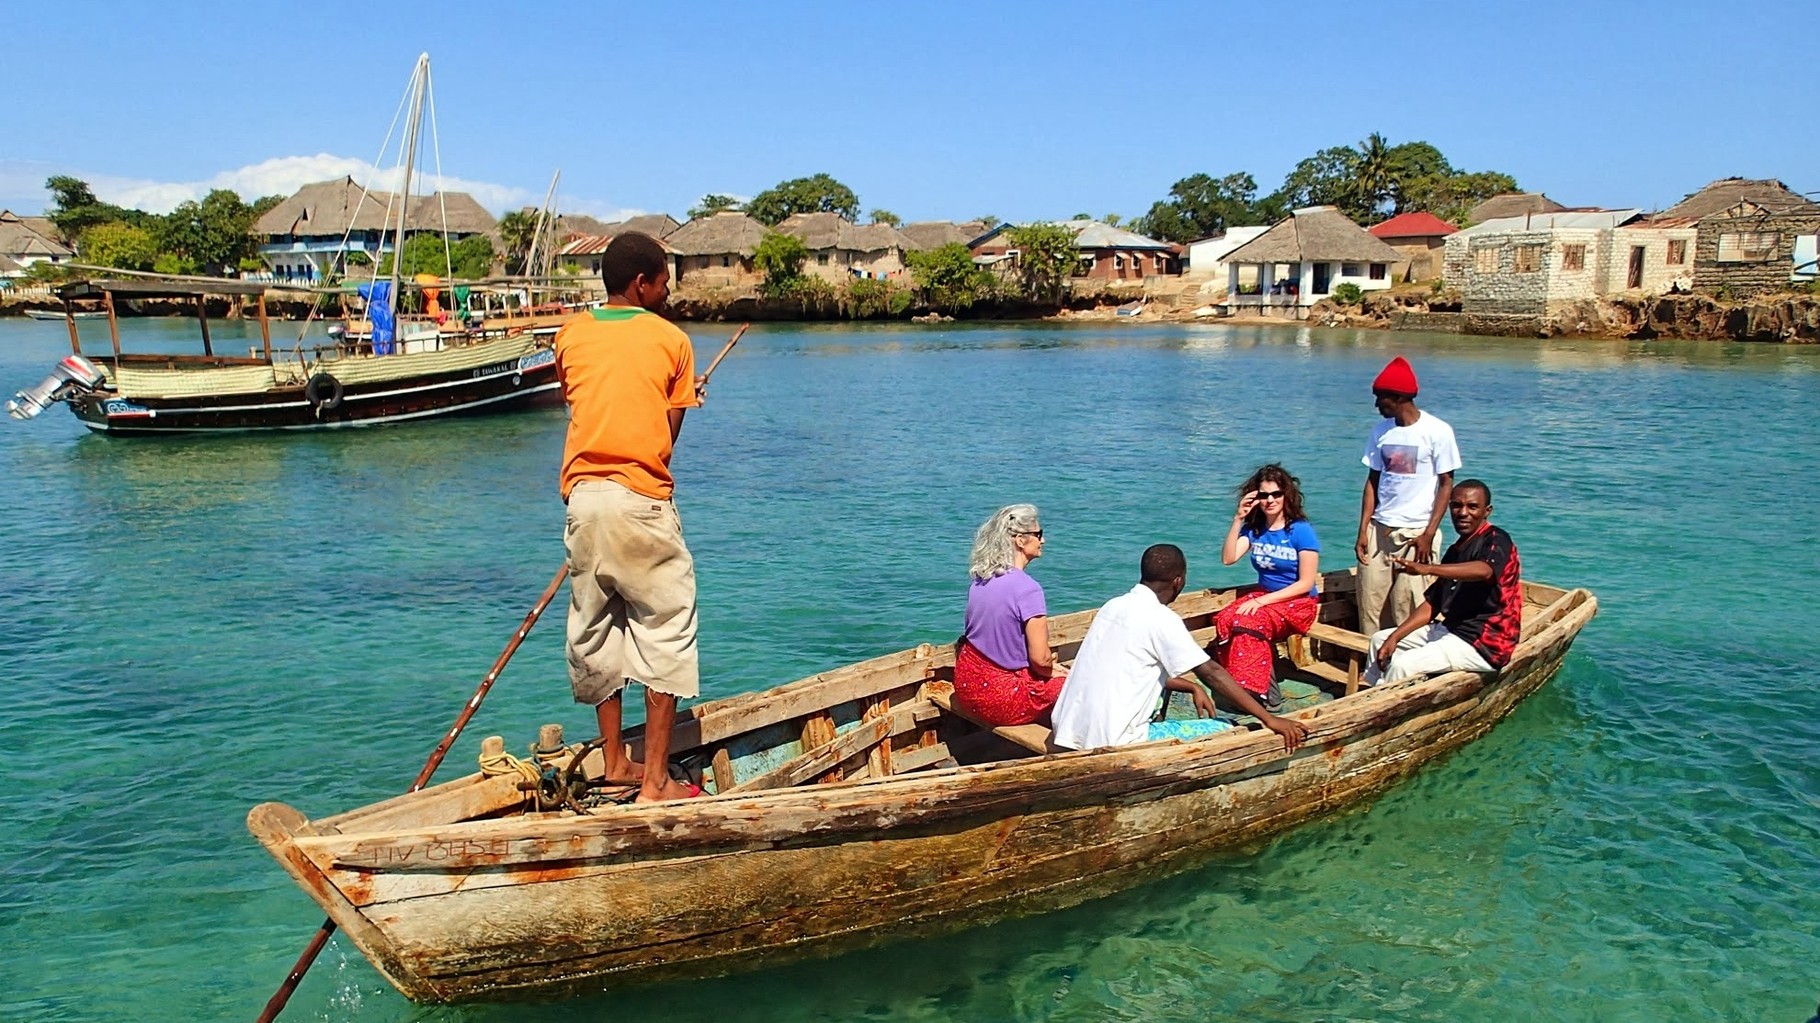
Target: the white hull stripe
pixel 376 421
pixel 444 385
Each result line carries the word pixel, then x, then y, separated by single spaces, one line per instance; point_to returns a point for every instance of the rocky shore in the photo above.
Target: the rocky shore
pixel 1783 318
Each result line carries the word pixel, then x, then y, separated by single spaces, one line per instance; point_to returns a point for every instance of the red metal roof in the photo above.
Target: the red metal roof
pixel 1412 225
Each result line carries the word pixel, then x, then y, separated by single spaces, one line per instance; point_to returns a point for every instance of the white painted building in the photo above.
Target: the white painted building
pixel 1301 260
pixel 1207 257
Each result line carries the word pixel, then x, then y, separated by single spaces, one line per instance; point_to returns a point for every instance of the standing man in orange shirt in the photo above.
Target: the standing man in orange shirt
pixel 629 376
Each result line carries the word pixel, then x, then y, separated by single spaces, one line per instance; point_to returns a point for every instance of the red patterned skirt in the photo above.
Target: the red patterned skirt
pixel 1000 696
pixel 1247 644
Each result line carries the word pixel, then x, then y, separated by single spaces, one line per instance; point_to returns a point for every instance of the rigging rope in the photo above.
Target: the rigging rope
pixel 448 258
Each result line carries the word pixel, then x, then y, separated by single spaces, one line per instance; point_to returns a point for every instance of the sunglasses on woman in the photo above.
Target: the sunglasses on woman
pixel 1269 495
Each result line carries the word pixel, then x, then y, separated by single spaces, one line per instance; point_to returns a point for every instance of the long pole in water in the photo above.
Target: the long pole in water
pixel 276 1003
pixel 723 353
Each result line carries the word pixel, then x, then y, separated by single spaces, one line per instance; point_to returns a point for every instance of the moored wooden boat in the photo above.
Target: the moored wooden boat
pixel 321 387
pixel 853 807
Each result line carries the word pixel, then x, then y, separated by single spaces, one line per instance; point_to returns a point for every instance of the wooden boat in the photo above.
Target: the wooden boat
pixel 856 807
pixel 79 314
pixel 322 387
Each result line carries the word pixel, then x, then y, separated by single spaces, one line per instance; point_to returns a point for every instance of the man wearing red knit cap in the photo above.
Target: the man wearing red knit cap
pixel 1411 459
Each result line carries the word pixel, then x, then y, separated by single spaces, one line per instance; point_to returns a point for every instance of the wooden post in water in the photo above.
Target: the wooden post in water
pixel 69 318
pixel 113 323
pixel 265 329
pixel 202 317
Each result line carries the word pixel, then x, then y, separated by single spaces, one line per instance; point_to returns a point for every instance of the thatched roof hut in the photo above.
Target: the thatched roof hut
pixel 933 234
pixel 34 237
pixel 821 231
pixel 1771 195
pixel 721 234
pixel 327 209
pixel 1512 204
pixel 1314 234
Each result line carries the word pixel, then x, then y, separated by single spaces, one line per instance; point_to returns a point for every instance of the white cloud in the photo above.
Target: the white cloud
pixel 22 185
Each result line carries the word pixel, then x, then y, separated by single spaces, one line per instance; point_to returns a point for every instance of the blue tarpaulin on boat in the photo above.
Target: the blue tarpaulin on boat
pixel 379 313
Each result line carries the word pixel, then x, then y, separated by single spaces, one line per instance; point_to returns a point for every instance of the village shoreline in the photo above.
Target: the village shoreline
pixel 1769 319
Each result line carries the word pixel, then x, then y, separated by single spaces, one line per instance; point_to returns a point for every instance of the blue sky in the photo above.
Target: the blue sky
pixel 932 110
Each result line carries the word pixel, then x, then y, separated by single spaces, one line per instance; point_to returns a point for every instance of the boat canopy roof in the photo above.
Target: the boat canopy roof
pixel 137 288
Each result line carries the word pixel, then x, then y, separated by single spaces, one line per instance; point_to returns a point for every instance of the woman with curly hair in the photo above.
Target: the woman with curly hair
pixel 1004 670
pixel 1271 527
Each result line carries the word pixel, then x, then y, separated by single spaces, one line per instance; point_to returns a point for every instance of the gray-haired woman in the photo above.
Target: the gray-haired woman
pixel 1004 670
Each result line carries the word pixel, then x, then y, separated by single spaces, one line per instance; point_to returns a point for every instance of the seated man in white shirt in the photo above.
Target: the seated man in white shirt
pixel 1135 649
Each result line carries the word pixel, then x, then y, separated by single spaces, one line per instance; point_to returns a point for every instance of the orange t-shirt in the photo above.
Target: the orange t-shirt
pixel 622 370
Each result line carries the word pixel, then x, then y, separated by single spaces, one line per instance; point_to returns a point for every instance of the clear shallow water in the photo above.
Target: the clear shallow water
pixel 195 626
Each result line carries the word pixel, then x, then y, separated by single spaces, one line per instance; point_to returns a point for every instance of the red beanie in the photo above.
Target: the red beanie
pixel 1398 378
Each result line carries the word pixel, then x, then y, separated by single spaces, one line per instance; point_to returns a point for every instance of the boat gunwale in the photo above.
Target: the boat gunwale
pixel 1399 701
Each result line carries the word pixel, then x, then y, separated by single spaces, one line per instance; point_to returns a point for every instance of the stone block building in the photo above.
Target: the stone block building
pixel 1753 236
pixel 1539 264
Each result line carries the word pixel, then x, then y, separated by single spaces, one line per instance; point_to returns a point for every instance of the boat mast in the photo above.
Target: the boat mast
pixel 545 218
pixel 420 77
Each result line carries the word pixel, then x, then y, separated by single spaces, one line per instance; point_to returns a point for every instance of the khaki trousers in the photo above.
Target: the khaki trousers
pixel 631 595
pixel 1387 596
pixel 1430 650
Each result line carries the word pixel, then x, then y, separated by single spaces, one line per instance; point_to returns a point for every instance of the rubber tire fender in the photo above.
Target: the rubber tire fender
pixel 323 392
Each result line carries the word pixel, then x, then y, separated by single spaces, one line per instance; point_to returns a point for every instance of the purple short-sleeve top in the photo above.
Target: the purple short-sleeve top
pixel 997 609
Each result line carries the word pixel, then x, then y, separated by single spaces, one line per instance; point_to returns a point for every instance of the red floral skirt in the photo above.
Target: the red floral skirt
pixel 1247 644
pixel 1000 696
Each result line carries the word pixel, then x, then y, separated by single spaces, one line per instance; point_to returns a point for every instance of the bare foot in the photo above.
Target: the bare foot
pixel 627 772
pixel 672 789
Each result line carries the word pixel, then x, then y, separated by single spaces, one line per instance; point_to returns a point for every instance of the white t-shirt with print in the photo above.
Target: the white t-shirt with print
pixel 1409 460
pixel 1134 645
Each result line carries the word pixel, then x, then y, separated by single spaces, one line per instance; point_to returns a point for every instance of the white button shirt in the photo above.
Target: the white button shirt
pixel 1134 645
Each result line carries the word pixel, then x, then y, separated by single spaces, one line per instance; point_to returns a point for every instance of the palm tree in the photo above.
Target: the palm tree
pixel 517 229
pixel 1373 177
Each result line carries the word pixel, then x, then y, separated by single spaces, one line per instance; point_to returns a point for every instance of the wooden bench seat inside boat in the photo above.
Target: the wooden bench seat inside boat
pixel 1034 738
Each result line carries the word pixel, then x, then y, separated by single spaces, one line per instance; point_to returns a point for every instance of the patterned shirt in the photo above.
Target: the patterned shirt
pixel 1489 615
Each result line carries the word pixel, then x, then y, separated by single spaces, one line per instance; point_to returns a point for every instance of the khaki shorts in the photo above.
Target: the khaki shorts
pixel 631 595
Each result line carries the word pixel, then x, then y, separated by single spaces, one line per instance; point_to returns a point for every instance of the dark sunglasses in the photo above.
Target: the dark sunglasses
pixel 1034 532
pixel 1268 495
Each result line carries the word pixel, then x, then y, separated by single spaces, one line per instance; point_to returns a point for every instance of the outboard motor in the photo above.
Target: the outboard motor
pixel 74 373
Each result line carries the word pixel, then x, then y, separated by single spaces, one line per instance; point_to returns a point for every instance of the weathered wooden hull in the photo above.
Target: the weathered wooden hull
pixel 544 904
pixel 520 382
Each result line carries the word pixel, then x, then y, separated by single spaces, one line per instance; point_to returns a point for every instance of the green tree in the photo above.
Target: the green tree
pixel 1324 179
pixel 119 245
pixel 780 258
pixel 173 264
pixel 1411 165
pixel 884 217
pixel 74 208
pixel 948 277
pixel 1046 259
pixel 989 220
pixel 469 259
pixel 213 235
pixel 817 194
pixel 1373 179
pixel 516 230
pixel 712 203
pixel 1200 206
pixel 1111 219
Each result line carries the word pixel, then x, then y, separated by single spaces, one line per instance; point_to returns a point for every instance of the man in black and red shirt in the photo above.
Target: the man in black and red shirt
pixel 1472 614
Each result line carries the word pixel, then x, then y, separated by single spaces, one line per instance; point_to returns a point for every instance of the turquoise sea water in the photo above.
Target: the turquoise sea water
pixel 193 626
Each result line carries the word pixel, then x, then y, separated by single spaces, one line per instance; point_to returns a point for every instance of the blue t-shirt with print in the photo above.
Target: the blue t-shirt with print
pixel 1276 553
